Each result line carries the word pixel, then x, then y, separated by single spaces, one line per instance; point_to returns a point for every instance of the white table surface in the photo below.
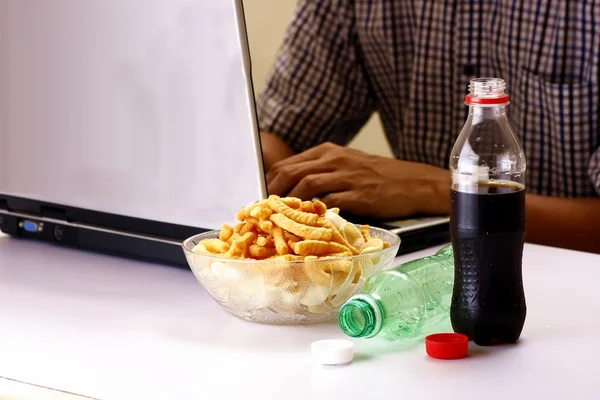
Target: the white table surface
pixel 112 328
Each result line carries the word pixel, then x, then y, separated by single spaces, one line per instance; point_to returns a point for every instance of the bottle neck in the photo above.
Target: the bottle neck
pixel 361 317
pixel 479 113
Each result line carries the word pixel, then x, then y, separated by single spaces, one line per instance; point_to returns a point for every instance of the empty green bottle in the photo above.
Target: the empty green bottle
pixel 402 303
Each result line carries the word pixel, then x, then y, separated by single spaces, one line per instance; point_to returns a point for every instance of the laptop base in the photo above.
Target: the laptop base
pixel 135 238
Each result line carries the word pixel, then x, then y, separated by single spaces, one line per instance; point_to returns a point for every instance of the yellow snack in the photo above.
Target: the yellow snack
pixel 304 231
pixel 298 216
pixel 226 232
pixel 277 276
pixel 308 206
pixel 265 225
pixel 318 248
pixel 216 245
pixel 241 215
pixel 266 241
pixel 352 234
pixel 260 252
pixel 291 236
pixel 292 241
pixel 280 227
pixel 335 219
pixel 253 222
pixel 200 248
pixel 233 237
pixel 292 202
pixel 372 246
pixel 240 246
pixel 366 232
pixel 320 208
pixel 237 227
pixel 336 235
pixel 261 212
pixel 247 227
pixel 245 212
pixel 334 266
pixel 331 274
pixel 280 243
pixel 315 295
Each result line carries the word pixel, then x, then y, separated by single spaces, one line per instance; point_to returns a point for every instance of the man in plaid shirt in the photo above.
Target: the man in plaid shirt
pixel 411 61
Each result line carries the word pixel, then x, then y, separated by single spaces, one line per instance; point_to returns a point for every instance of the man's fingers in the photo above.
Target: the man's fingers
pixel 287 177
pixel 315 185
pixel 311 154
pixel 348 201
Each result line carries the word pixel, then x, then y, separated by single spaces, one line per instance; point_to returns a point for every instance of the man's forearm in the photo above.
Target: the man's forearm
pixel 274 149
pixel 560 222
pixel 564 222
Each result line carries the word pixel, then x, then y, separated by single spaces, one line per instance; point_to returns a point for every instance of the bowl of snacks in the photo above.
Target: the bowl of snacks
pixel 287 261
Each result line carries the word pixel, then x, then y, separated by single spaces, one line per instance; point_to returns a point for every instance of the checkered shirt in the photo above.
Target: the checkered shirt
pixel 411 61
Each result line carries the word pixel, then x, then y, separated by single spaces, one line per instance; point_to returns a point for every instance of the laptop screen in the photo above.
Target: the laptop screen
pixel 141 108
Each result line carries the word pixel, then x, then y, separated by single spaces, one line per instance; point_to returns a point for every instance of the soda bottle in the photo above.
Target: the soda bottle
pixel 488 220
pixel 403 302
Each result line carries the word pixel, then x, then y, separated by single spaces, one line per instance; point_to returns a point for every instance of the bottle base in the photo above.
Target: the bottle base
pixel 486 341
pixel 482 330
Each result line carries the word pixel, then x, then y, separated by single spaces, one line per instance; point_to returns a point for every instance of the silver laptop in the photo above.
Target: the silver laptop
pixel 126 125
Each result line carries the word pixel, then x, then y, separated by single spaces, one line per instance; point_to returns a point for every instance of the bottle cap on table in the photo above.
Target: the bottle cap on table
pixel 447 346
pixel 332 352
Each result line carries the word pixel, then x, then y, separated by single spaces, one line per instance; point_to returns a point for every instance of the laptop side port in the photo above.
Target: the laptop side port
pixel 31 226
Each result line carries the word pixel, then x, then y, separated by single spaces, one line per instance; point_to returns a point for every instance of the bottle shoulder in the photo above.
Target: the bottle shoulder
pixel 487 147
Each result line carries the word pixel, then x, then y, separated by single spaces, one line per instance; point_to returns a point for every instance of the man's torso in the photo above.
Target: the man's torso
pixel 420 56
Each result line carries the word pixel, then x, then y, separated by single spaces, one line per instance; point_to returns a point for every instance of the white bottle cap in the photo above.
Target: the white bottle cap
pixel 332 352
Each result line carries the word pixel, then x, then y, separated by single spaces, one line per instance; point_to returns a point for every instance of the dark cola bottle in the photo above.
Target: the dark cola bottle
pixel 488 220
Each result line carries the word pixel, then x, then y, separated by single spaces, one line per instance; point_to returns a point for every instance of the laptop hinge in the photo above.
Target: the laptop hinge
pixel 54 213
pixel 3 204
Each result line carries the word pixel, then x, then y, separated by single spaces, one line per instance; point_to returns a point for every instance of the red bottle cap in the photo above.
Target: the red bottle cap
pixel 447 346
pixel 498 100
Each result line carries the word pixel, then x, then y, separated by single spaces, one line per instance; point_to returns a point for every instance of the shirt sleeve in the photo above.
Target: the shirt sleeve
pixel 594 170
pixel 317 90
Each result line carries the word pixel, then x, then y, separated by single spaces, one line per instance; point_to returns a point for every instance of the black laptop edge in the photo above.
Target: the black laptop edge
pixel 120 235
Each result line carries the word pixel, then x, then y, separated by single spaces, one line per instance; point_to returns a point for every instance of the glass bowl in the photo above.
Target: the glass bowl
pixel 286 292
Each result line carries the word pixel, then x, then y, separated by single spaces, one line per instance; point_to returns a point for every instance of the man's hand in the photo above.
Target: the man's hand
pixel 273 149
pixel 362 184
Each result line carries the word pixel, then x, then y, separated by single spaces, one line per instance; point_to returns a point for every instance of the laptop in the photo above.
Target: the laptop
pixel 127 126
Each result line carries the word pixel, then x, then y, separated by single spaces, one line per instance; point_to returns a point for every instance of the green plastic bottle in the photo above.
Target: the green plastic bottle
pixel 402 303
